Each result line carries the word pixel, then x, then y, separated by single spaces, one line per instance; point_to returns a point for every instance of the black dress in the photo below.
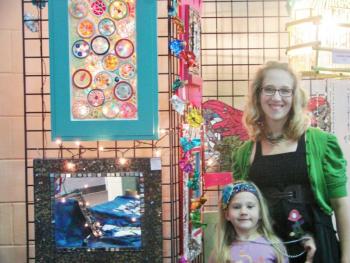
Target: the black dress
pixel 283 180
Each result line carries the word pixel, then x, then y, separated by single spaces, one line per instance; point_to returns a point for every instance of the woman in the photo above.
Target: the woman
pixel 299 169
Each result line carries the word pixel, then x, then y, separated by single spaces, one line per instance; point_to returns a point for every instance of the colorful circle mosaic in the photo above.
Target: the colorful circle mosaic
pixel 103 80
pixel 110 62
pixel 85 28
pixel 124 48
pixel 118 10
pixel 81 49
pixel 123 91
pixel 125 27
pixel 111 109
pixel 100 45
pixel 127 71
pixel 82 78
pixel 80 109
pixel 98 7
pixel 92 62
pixel 106 27
pixel 128 110
pixel 79 8
pixel 96 97
pixel 103 64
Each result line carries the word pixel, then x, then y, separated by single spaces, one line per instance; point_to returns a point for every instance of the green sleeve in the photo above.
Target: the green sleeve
pixel 237 173
pixel 240 161
pixel 334 168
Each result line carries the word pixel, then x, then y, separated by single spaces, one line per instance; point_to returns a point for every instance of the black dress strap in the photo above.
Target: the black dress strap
pixel 301 144
pixel 258 150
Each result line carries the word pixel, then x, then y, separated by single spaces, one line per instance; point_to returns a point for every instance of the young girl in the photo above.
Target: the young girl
pixel 244 233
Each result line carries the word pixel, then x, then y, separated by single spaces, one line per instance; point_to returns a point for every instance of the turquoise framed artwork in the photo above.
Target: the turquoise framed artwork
pixel 103 69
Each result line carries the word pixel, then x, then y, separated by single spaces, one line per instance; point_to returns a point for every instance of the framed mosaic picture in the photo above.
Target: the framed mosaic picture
pixel 97 209
pixel 103 69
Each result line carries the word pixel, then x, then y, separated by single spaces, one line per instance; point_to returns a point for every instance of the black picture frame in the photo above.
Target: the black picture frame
pixel 45 171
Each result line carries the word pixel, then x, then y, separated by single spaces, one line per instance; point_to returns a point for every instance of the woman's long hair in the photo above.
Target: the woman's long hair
pixel 253 118
pixel 226 234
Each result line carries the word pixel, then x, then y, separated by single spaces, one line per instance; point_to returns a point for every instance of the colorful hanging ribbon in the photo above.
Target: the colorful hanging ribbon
pixel 196 220
pixel 195 118
pixel 188 144
pixel 198 203
pixel 193 183
pixel 178 84
pixel 172 10
pixel 178 104
pixel 177 46
pixel 39 3
pixel 179 24
pixel 189 57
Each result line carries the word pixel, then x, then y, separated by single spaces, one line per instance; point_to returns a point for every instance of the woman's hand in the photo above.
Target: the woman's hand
pixel 310 248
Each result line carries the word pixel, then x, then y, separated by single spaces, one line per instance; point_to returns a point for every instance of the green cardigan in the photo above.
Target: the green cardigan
pixel 325 162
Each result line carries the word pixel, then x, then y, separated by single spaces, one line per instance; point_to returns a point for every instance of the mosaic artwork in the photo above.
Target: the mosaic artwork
pixel 98 212
pixel 103 59
pixel 97 209
pixel 103 70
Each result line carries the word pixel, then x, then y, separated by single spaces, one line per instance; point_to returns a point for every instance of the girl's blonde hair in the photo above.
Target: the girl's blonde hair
pixel 253 117
pixel 226 234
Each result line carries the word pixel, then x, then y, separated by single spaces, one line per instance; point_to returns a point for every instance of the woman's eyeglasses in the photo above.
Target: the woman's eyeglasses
pixel 271 91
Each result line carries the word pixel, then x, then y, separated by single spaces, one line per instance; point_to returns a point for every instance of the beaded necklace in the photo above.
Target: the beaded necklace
pixel 274 139
pixel 278 243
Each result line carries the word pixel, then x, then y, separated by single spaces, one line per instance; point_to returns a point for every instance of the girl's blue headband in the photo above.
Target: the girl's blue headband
pixel 231 190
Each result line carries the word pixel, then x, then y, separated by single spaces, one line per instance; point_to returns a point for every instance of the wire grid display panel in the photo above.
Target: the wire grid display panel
pixel 237 38
pixel 37 126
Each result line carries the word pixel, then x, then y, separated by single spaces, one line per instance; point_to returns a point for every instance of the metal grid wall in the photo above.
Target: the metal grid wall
pixel 37 126
pixel 238 37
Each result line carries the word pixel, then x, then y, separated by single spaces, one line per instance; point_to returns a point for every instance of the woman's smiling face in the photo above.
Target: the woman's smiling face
pixel 276 107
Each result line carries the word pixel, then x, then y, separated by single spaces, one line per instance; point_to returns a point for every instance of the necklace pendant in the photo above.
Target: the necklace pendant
pixel 274 139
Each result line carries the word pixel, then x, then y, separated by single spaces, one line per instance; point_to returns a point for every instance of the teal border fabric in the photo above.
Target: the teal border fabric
pixel 146 126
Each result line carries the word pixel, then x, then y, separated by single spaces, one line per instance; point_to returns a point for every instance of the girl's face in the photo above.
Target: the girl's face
pixel 243 212
pixel 276 95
